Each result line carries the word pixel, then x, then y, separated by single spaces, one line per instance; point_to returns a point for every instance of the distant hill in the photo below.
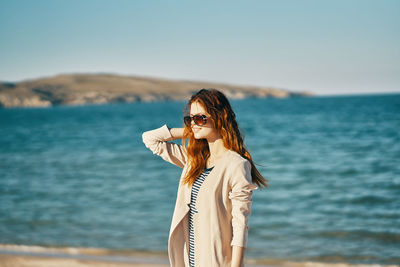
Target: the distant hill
pixel 80 89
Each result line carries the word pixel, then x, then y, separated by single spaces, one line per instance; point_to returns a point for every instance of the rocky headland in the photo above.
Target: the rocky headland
pixel 81 89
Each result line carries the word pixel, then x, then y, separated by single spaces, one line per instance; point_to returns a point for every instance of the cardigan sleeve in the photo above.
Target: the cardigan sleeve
pixel 241 197
pixel 157 141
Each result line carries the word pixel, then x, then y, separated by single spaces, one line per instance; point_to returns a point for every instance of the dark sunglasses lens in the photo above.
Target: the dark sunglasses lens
pixel 198 120
pixel 187 120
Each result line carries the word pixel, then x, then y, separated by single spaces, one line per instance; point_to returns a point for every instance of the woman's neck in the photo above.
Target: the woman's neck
pixel 217 150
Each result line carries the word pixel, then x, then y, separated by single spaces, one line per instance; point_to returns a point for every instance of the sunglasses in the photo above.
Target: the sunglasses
pixel 199 120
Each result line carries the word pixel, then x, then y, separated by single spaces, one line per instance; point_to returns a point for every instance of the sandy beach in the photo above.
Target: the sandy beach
pixel 21 255
pixel 38 261
pixel 37 256
pixel 7 260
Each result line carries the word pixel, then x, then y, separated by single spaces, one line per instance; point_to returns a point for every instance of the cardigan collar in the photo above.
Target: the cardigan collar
pixel 188 188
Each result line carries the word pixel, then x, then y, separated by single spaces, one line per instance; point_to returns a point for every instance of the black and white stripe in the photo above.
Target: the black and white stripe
pixel 195 190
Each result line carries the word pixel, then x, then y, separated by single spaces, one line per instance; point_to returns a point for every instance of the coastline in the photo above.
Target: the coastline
pixel 85 88
pixel 24 256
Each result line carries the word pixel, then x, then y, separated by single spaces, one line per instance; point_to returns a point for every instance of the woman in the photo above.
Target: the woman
pixel 210 222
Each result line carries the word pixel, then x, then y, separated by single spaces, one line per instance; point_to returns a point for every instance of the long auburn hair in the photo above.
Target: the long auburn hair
pixel 224 120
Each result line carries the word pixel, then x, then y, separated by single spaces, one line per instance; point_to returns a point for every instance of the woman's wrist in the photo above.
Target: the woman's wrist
pixel 237 256
pixel 176 133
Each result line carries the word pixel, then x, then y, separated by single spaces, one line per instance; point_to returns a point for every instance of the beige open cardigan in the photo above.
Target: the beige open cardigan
pixel 223 204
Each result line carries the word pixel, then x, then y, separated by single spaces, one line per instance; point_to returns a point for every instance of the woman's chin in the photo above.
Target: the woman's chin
pixel 198 136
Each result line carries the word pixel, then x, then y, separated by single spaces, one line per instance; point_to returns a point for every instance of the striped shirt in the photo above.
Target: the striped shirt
pixel 195 189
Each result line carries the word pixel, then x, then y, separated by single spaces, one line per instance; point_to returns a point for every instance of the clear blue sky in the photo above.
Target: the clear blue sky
pixel 328 47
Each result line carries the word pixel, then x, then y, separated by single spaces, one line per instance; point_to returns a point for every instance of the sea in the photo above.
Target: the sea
pixel 80 176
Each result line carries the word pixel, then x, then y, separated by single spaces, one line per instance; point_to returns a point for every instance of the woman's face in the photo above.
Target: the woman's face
pixel 207 130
